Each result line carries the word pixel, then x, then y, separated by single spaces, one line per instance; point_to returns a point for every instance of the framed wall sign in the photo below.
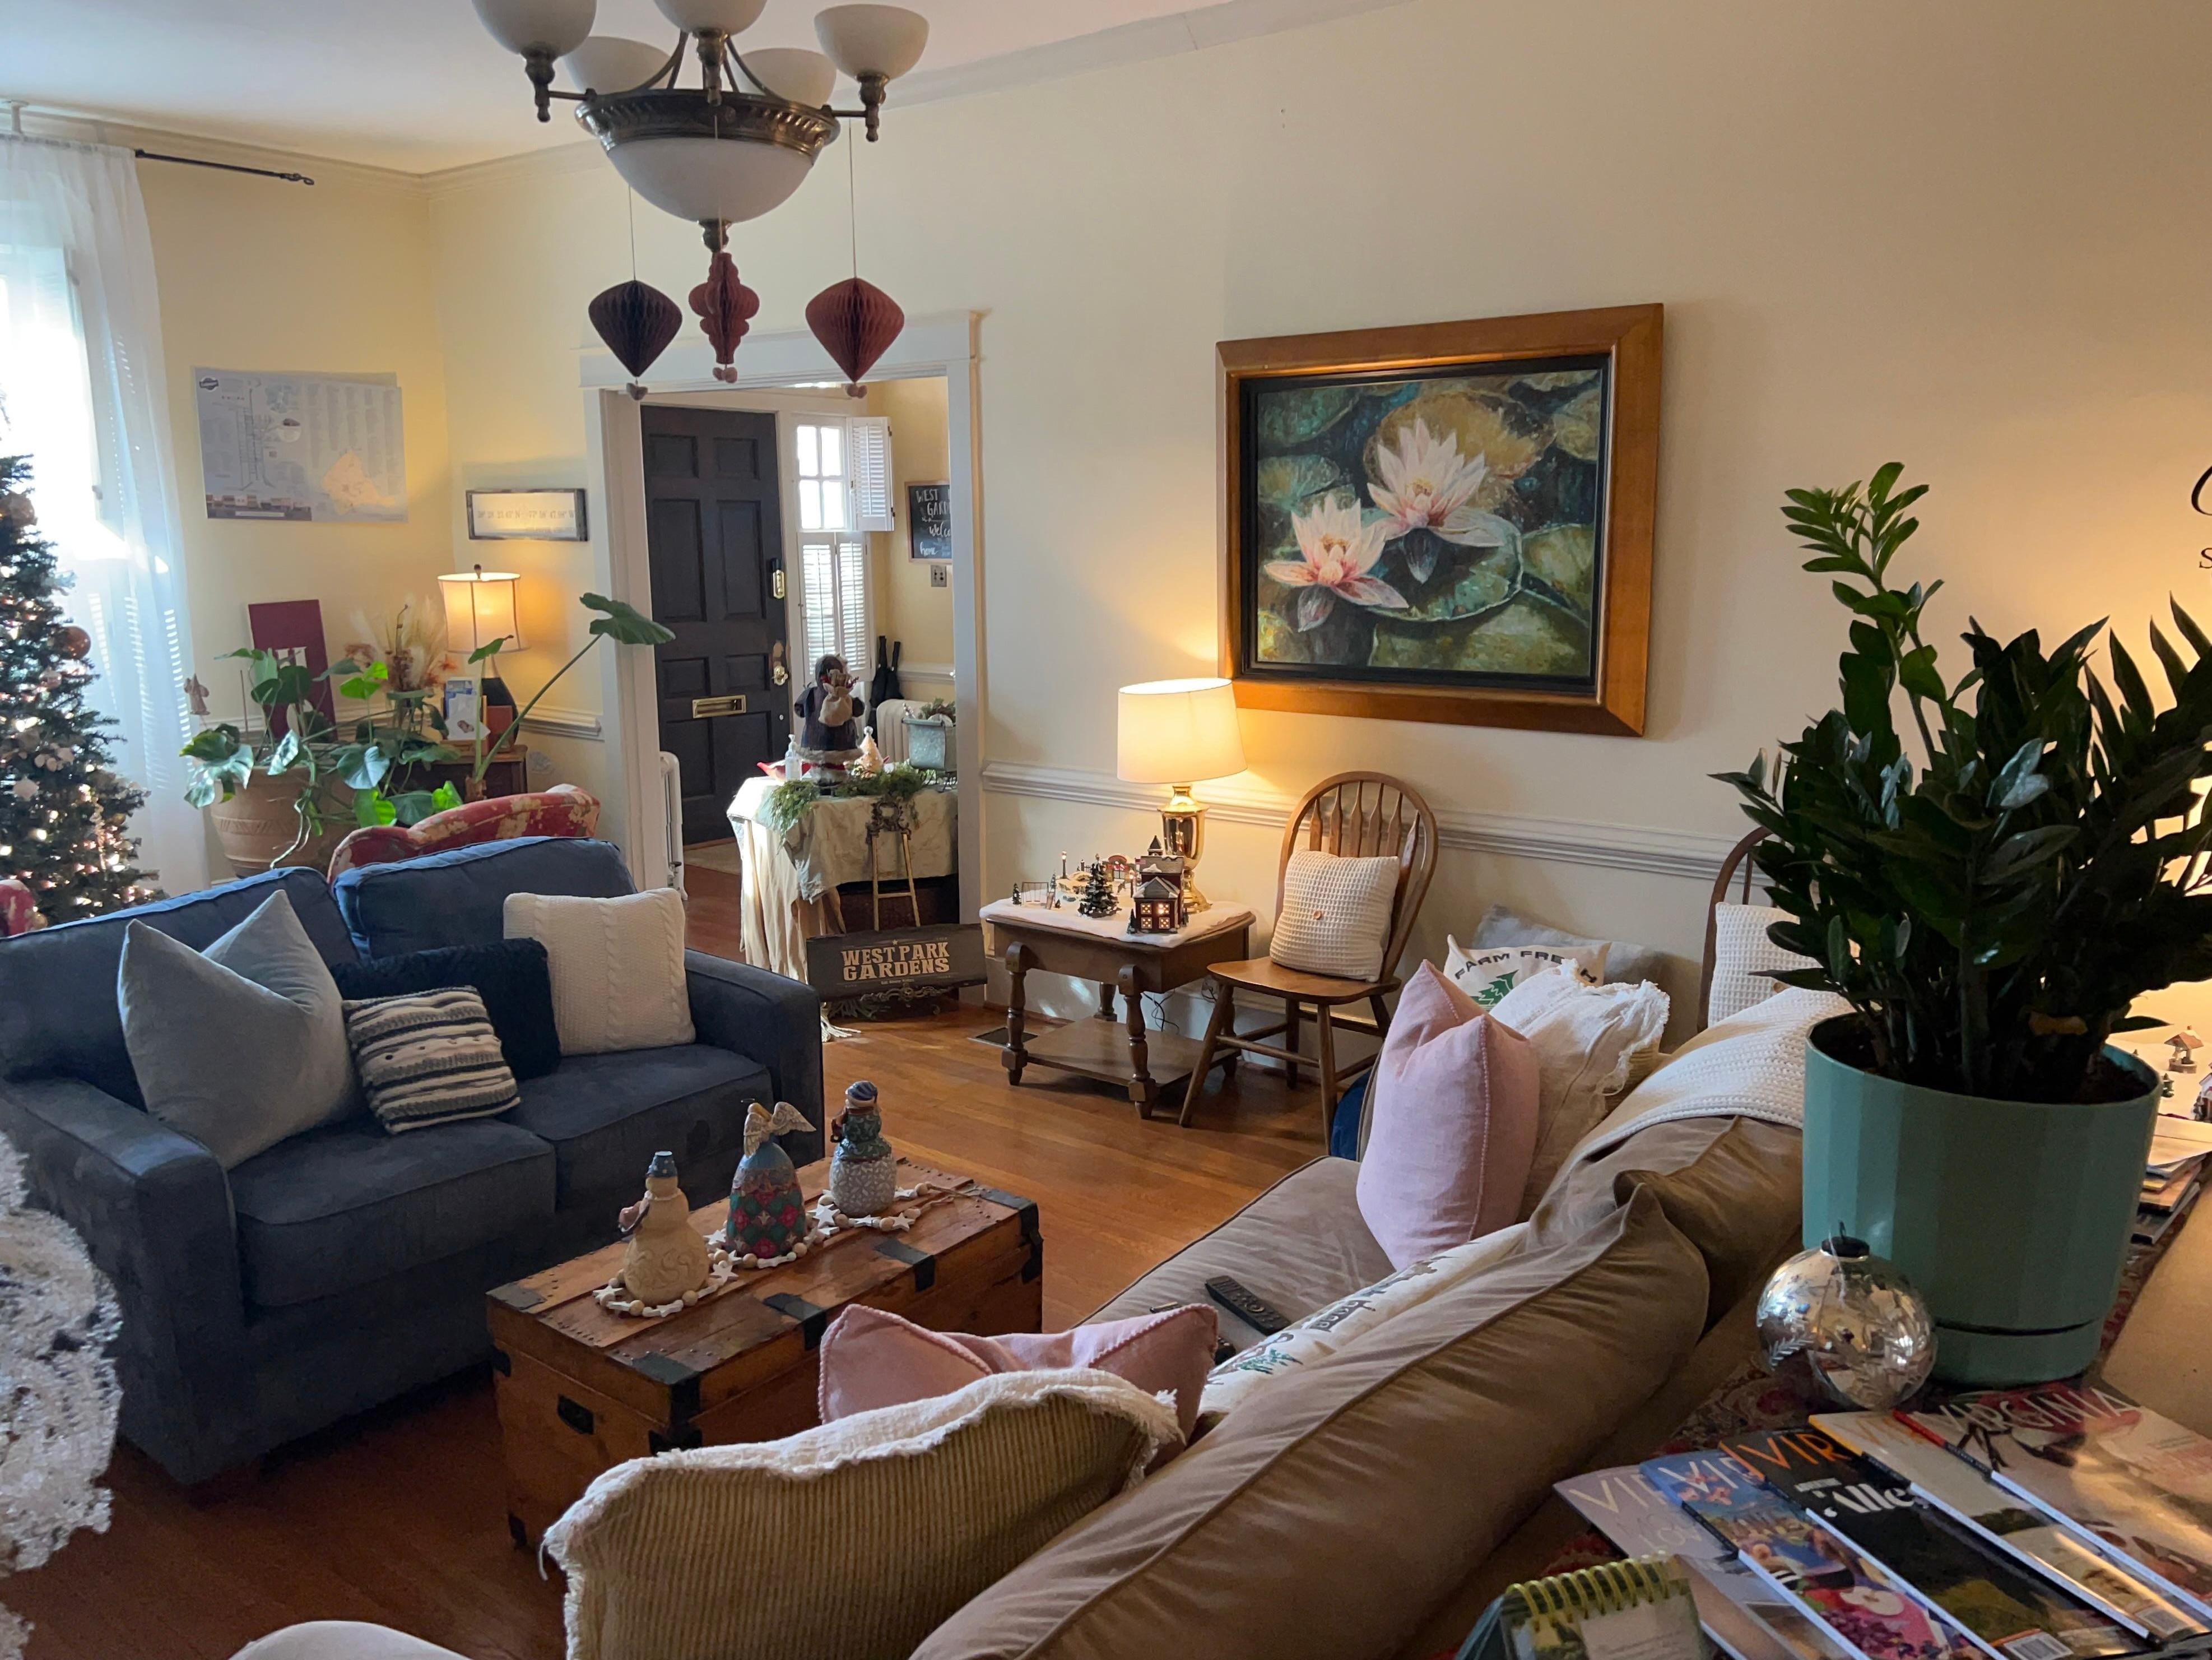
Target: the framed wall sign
pixel 929 519
pixel 531 516
pixel 939 958
pixel 1449 522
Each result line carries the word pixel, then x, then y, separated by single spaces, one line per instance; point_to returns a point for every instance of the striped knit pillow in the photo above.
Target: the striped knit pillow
pixel 429 1057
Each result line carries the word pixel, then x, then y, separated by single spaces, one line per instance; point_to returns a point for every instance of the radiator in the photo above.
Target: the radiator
pixel 671 805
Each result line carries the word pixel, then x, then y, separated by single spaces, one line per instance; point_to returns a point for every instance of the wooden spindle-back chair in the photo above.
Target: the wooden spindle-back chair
pixel 1354 815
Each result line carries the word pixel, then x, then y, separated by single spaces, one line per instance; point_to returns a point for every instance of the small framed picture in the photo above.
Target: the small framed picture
pixel 929 519
pixel 527 515
pixel 463 709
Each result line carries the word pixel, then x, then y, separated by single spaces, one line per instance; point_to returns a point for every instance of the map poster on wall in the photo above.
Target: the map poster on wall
pixel 327 448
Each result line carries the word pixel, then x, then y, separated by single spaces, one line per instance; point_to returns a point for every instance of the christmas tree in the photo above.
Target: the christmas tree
pixel 1098 897
pixel 64 815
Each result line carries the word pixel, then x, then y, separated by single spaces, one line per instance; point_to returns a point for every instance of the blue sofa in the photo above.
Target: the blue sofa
pixel 344 1267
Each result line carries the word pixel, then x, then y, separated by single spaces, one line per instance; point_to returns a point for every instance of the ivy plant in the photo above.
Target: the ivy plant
pixel 1993 881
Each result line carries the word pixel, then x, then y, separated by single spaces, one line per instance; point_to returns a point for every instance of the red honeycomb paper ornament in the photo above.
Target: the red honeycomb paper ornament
pixel 725 308
pixel 637 321
pixel 856 322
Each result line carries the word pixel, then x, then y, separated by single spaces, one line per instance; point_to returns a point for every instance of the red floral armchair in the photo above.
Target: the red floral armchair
pixel 16 907
pixel 564 810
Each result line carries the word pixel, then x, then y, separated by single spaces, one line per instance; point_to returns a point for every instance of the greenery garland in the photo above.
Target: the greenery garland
pixel 792 800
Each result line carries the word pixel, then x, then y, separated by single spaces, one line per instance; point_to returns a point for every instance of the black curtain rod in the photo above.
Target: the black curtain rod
pixel 224 167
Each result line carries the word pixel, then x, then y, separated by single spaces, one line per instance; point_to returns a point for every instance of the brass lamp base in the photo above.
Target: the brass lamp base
pixel 1183 831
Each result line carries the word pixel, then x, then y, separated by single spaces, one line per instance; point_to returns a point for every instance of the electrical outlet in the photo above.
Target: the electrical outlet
pixel 939 577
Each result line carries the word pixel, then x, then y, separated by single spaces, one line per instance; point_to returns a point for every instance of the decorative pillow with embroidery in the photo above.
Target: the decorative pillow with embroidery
pixel 1488 973
pixel 1335 918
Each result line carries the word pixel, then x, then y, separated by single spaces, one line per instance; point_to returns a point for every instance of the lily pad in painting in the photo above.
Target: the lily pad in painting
pixel 1465 585
pixel 1525 636
pixel 1565 558
pixel 1292 417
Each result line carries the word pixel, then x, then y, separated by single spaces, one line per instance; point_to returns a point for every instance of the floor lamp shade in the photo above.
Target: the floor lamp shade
pixel 480 609
pixel 1177 732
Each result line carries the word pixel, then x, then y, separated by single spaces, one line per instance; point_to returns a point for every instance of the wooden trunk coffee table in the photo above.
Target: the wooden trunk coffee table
pixel 581 1389
pixel 1140 1058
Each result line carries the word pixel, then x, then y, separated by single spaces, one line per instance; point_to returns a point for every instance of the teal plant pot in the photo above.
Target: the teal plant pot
pixel 2012 1218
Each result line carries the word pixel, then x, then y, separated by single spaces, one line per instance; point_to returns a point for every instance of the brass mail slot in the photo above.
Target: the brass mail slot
pixel 706 709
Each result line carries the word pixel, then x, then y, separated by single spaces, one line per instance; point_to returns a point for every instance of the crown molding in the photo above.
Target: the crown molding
pixel 1644 850
pixel 554 722
pixel 90 127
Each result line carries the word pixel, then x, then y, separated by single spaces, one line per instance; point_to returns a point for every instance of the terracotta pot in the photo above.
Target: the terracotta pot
pixel 258 823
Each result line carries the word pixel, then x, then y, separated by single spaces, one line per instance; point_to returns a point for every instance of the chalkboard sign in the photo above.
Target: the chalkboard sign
pixel 929 520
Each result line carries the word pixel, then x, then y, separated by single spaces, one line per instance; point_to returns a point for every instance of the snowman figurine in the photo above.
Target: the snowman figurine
pixel 863 1171
pixel 667 1257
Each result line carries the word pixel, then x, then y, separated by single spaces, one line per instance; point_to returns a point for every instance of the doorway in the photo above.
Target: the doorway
pixel 714 542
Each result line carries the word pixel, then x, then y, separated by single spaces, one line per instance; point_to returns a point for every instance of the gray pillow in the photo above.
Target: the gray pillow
pixel 243 1044
pixel 1626 963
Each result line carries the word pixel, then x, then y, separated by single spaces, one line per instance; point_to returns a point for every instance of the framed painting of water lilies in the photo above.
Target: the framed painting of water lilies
pixel 1448 522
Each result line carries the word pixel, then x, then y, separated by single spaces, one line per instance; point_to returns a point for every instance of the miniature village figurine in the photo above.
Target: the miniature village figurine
pixel 667 1257
pixel 863 1168
pixel 872 758
pixel 767 1214
pixel 2181 1043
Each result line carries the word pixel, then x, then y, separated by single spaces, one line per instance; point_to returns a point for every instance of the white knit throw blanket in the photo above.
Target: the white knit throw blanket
pixel 1750 1065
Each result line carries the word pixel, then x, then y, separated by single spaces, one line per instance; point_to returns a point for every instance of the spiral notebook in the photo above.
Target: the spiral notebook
pixel 1639 1610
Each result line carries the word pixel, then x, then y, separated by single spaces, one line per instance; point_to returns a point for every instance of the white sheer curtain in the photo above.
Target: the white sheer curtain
pixel 81 394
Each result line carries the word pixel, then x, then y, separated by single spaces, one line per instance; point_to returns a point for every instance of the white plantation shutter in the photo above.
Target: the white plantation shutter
pixel 852 604
pixel 835 573
pixel 870 465
pixel 820 594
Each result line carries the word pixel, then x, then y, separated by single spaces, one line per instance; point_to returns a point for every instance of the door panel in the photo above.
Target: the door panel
pixel 714 539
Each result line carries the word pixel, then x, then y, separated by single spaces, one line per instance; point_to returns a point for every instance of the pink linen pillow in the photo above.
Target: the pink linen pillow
pixel 1452 1127
pixel 871 1359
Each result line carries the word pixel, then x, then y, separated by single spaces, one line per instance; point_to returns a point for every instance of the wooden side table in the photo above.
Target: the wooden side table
pixel 1035 938
pixel 580 1388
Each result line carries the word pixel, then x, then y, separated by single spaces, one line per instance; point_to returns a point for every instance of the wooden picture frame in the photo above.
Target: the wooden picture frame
pixel 1526 594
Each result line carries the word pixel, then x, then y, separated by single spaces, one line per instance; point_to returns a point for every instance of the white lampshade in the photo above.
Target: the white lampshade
pixel 885 40
pixel 479 608
pixel 794 73
pixel 700 179
pixel 1177 732
pixel 555 27
pixel 608 63
pixel 724 16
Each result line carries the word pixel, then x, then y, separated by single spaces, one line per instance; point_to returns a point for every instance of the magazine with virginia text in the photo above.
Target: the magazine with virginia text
pixel 1956 1487
pixel 2012 1614
pixel 1846 1595
pixel 1740 1611
pixel 2093 1459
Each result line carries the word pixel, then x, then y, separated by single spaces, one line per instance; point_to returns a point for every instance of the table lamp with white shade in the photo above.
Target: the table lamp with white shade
pixel 480 608
pixel 1179 732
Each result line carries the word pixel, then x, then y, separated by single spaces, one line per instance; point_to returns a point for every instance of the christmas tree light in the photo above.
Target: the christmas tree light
pixel 62 810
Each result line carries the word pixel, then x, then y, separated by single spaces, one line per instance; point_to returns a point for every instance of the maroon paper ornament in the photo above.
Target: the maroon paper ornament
pixel 637 321
pixel 856 322
pixel 725 308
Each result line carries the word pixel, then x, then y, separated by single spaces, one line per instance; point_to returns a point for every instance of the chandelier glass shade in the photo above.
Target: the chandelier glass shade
pixel 718 164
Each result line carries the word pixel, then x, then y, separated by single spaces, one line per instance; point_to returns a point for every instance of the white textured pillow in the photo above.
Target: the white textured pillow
pixel 618 967
pixel 1486 974
pixel 1587 1038
pixel 1745 961
pixel 1335 918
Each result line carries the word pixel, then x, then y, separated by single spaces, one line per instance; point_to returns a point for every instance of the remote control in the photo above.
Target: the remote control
pixel 1263 1318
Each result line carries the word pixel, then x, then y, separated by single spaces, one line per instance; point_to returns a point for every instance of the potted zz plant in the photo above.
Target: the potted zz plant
pixel 1990 882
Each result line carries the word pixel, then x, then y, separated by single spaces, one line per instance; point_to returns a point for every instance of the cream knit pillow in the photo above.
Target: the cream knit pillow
pixel 618 967
pixel 1335 918
pixel 1745 961
pixel 856 1539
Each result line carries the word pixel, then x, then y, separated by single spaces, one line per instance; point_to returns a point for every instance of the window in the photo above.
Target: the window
pixel 843 467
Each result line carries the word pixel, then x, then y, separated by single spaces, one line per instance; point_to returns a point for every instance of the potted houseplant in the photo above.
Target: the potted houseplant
pixel 1990 881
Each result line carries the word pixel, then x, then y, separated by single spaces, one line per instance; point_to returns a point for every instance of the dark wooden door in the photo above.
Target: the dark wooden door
pixel 714 533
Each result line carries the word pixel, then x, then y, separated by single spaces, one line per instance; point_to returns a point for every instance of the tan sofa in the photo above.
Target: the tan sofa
pixel 1371 1505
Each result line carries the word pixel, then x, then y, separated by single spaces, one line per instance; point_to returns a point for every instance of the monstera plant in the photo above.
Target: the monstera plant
pixel 1991 869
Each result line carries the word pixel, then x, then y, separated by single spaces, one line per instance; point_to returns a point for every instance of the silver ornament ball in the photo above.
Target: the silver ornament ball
pixel 1851 1320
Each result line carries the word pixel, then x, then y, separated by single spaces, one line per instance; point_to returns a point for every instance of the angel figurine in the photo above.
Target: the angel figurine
pixel 768 1213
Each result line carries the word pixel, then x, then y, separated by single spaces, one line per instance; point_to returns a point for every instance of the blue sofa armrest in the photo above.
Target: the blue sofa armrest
pixel 768 1018
pixel 153 1208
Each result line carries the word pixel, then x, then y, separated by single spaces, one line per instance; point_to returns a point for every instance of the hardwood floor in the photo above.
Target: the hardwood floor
pixel 398 1516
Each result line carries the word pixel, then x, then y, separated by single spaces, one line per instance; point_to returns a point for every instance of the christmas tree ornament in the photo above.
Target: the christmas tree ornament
pixel 15 507
pixel 25 788
pixel 637 321
pixel 768 1213
pixel 1852 1321
pixel 725 308
pixel 667 1257
pixel 856 322
pixel 72 641
pixel 863 1168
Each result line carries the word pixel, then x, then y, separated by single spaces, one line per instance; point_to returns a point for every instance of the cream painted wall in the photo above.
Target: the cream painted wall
pixel 908 608
pixel 1967 236
pixel 258 275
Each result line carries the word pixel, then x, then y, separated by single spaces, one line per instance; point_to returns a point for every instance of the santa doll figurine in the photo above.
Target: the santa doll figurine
pixel 830 711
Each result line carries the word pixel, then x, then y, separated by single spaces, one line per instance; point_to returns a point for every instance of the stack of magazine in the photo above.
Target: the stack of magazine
pixel 2062 1521
pixel 2173 1175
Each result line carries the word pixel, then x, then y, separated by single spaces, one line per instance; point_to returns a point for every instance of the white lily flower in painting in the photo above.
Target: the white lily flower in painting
pixel 1426 484
pixel 1338 549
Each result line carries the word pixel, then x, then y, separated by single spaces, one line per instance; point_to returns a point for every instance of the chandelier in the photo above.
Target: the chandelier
pixel 729 150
